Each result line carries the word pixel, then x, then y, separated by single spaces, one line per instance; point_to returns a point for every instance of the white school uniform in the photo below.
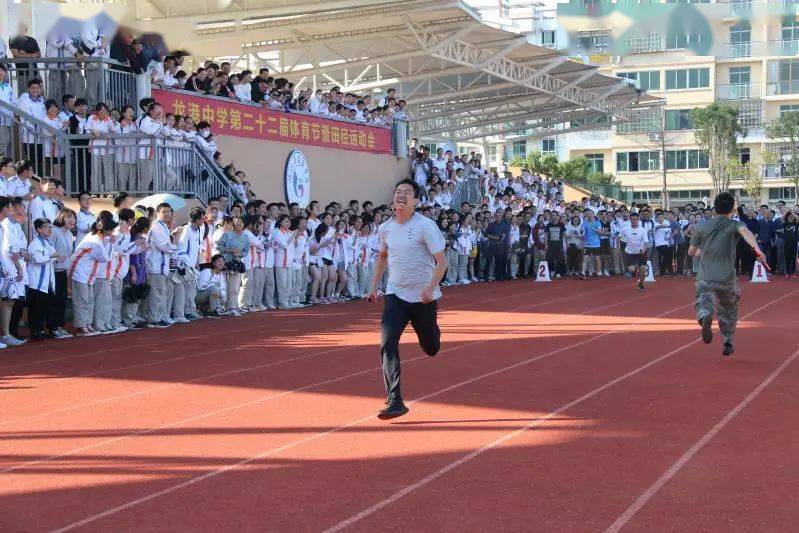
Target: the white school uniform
pixel 84 223
pixel 283 244
pixel 41 266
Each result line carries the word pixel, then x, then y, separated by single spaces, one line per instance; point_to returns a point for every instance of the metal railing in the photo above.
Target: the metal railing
pixel 97 79
pixel 737 91
pixel 775 88
pixel 136 163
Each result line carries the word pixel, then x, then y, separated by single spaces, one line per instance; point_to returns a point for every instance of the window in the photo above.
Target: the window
pixel 744 155
pixel 789 76
pixel 678 119
pixel 790 36
pixel 637 161
pixel 548 38
pixel 789 108
pixel 781 193
pixel 596 163
pixel 519 149
pixel 741 40
pixel 646 80
pixel 593 42
pixel 692 78
pixel 686 159
pixel 548 146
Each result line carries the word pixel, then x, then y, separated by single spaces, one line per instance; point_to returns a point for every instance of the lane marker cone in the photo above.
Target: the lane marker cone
pixel 759 274
pixel 543 272
pixel 650 278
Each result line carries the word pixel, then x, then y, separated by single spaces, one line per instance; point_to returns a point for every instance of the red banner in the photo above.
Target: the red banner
pixel 242 120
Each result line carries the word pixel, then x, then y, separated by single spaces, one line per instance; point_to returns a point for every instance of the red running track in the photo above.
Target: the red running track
pixel 571 406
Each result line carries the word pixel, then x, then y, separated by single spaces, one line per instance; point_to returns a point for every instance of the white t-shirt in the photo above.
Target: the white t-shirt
pixel 662 234
pixel 637 239
pixel 410 249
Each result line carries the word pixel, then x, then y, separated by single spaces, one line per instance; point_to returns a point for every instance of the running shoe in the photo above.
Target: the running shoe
pixel 393 410
pixel 640 284
pixel 728 349
pixel 707 329
pixel 10 340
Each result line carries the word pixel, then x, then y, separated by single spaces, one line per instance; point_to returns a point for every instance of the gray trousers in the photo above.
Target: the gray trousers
pixel 247 289
pixel 175 299
pixel 283 281
pixel 102 305
pixel 146 174
pixel 364 278
pixel 269 287
pixel 82 304
pixel 116 302
pixel 209 299
pixel 452 265
pixel 233 286
pixel 352 279
pixel 720 298
pixel 463 267
pixel 189 294
pixel 126 178
pixel 154 307
pixel 259 278
pixel 103 173
pixel 5 141
pixel 299 285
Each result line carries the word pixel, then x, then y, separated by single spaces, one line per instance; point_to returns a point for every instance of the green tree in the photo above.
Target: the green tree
pixel 786 129
pixel 574 169
pixel 749 176
pixel 602 178
pixel 716 128
pixel 550 167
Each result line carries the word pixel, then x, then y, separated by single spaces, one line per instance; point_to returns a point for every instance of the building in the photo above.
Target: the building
pixel 693 53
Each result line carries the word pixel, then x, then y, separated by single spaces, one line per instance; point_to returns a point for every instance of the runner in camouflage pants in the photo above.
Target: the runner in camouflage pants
pixel 727 296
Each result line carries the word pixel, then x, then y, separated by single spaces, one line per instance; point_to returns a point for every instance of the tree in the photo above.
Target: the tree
pixel 749 176
pixel 716 129
pixel 786 129
pixel 574 169
pixel 602 178
pixel 550 167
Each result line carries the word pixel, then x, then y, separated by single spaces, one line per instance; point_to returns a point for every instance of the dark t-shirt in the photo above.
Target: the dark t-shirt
pixel 28 45
pixel 555 233
pixel 717 238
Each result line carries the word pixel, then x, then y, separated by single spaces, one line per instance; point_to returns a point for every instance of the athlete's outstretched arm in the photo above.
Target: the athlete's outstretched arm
pixel 747 236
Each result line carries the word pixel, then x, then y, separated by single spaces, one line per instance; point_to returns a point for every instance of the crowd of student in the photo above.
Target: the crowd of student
pixel 277 93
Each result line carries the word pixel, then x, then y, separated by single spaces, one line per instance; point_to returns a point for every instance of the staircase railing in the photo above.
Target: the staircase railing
pixel 138 164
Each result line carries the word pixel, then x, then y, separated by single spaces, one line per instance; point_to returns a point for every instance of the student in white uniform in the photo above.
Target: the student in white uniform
pixel 363 261
pixel 299 266
pixel 151 124
pixel 250 261
pixel 119 265
pixel 63 240
pixel 43 205
pixel 103 300
pixel 637 239
pixel 101 127
pixel 283 244
pixel 126 156
pixel 211 293
pixel 189 247
pixel 41 274
pixel 15 244
pixel 159 249
pixel 32 102
pixel 85 216
pixel 90 254
pixel 53 150
pixel 6 117
pixel 9 266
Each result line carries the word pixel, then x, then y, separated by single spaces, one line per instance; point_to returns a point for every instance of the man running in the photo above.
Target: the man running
pixel 637 239
pixel 412 247
pixel 713 247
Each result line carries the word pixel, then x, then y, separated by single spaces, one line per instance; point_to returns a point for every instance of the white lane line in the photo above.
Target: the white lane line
pixel 466 458
pixel 316 436
pixel 647 495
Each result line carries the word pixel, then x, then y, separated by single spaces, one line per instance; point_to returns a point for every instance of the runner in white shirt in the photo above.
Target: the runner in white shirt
pixel 413 249
pixel 637 239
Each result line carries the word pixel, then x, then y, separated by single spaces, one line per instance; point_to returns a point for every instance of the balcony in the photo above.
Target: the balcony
pixel 784 47
pixel 742 49
pixel 741 8
pixel 782 87
pixel 737 91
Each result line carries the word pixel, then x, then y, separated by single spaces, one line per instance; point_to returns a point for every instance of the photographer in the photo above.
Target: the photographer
pixel 422 169
pixel 232 245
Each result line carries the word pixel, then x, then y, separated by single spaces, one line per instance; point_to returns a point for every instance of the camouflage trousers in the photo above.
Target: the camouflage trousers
pixel 720 298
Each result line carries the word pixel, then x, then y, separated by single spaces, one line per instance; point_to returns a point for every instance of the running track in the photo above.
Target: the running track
pixel 570 406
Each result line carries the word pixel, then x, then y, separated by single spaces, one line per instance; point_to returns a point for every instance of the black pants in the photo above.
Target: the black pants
pixel 664 253
pixel 16 317
pixel 790 257
pixel 523 254
pixel 39 304
pixel 56 316
pixel 500 261
pixel 396 315
pixel 556 259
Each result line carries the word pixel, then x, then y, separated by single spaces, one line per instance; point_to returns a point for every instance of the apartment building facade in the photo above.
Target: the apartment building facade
pixel 690 53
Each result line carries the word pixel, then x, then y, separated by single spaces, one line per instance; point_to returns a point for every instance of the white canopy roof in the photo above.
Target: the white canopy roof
pixel 461 78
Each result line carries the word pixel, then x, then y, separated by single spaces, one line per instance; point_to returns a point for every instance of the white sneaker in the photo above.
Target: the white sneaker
pixel 465 282
pixel 10 340
pixel 181 320
pixel 120 329
pixel 60 333
pixel 3 346
pixel 169 321
pixel 234 312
